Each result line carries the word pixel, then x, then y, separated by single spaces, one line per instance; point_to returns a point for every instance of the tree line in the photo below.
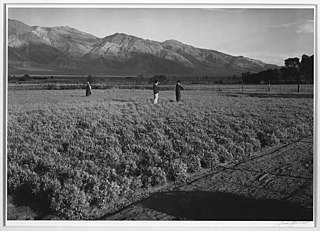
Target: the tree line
pixel 294 71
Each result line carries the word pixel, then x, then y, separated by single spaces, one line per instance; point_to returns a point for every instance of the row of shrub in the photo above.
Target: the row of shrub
pixel 79 157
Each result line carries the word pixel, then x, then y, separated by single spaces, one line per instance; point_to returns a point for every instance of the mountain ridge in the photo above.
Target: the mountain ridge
pixel 64 48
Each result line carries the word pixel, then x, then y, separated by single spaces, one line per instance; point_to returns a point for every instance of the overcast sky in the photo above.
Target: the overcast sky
pixel 270 35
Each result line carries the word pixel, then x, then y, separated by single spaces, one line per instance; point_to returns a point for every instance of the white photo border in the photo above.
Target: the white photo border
pixel 155 225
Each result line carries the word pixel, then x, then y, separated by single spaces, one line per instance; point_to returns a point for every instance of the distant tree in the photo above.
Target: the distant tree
pixel 270 76
pixel 306 68
pixel 292 72
pixel 292 63
pixel 252 78
pixel 161 78
pixel 284 76
pixel 292 66
pixel 25 77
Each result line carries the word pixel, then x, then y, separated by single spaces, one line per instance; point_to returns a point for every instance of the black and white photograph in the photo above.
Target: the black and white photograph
pixel 176 113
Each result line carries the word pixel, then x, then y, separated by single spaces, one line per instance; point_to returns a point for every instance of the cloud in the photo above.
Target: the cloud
pixel 304 27
pixel 284 25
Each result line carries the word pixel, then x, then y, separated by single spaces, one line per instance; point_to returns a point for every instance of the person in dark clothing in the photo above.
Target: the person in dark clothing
pixel 88 89
pixel 178 89
pixel 155 92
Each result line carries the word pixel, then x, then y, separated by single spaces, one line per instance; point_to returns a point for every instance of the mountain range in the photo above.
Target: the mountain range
pixel 61 50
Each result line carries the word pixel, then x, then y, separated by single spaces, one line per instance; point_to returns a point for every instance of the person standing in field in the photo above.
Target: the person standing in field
pixel 155 92
pixel 269 87
pixel 178 90
pixel 88 89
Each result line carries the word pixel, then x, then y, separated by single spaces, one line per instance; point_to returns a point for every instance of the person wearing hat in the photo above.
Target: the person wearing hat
pixel 88 89
pixel 155 92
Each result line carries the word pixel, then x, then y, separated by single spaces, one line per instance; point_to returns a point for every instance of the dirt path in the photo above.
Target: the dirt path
pixel 273 185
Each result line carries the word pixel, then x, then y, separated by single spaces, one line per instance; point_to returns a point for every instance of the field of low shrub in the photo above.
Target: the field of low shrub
pixel 77 153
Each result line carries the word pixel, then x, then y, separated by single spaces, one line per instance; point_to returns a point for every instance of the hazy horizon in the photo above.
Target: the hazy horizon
pixel 269 35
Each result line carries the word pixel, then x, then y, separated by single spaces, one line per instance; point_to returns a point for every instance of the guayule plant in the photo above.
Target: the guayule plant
pixel 79 154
